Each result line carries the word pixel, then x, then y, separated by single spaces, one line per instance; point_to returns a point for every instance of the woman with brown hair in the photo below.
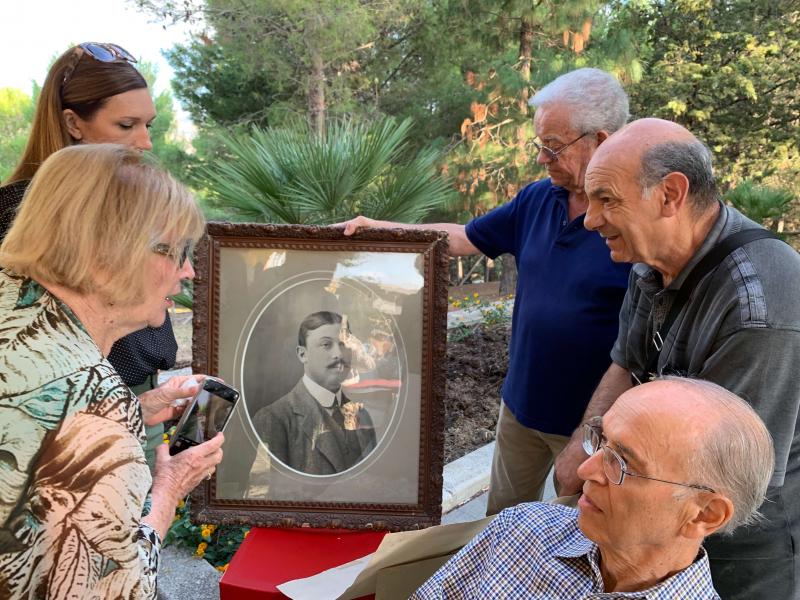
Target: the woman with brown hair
pixel 94 94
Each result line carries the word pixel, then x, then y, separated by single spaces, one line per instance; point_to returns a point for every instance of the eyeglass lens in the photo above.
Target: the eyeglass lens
pixel 612 465
pixel 99 52
pixel 185 252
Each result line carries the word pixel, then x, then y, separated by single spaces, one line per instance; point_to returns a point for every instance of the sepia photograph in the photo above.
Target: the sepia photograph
pixel 334 344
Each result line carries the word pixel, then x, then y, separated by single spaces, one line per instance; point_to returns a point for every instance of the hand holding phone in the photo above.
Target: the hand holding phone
pixel 206 415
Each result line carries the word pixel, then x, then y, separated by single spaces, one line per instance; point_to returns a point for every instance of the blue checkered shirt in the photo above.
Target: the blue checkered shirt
pixel 536 551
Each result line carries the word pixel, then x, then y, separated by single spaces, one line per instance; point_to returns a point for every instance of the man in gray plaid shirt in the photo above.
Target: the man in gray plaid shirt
pixel 670 463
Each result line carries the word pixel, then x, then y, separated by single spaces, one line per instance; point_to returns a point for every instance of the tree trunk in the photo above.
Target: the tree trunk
pixel 316 94
pixel 508 278
pixel 525 55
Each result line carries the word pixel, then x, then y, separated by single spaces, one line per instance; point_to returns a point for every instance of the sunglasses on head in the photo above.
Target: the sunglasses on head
pixel 107 53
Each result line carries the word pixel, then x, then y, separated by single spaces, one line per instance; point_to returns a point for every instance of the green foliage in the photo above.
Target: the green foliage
pixel 496 313
pixel 213 86
pixel 272 62
pixel 16 113
pixel 215 544
pixel 762 204
pixel 171 153
pixel 729 72
pixel 464 69
pixel 288 175
pixel 460 332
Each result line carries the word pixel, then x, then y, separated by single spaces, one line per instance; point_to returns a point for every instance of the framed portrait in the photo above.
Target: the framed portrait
pixel 337 345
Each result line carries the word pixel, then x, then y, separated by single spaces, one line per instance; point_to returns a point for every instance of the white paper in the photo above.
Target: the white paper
pixel 327 585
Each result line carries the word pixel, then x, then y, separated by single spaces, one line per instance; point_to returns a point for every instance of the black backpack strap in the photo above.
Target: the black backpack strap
pixel 707 264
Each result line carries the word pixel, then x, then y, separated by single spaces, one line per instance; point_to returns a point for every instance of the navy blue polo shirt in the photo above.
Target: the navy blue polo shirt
pixel 566 310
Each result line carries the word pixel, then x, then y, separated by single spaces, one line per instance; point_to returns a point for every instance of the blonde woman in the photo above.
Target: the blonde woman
pixel 100 242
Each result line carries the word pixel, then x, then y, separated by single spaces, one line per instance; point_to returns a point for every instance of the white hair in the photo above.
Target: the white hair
pixel 595 98
pixel 735 457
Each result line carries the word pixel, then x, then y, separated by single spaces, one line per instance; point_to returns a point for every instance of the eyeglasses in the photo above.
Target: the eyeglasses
pixel 177 254
pixel 553 154
pixel 613 464
pixel 108 53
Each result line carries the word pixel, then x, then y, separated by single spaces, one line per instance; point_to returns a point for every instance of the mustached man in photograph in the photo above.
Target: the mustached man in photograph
pixel 315 428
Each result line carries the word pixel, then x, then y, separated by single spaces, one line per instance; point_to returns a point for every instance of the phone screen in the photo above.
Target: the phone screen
pixel 207 416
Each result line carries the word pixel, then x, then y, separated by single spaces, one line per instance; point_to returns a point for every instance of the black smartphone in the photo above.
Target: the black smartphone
pixel 207 415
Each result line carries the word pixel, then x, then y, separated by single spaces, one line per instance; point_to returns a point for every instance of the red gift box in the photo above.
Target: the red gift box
pixel 269 557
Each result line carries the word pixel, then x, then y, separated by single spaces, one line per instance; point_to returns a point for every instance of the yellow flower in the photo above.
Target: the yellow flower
pixel 223 568
pixel 165 439
pixel 466 298
pixel 205 532
pixel 212 528
pixel 245 534
pixel 475 295
pixel 181 504
pixel 201 547
pixel 200 553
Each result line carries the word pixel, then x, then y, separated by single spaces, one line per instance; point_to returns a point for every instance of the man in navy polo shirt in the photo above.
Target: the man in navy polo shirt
pixel 569 292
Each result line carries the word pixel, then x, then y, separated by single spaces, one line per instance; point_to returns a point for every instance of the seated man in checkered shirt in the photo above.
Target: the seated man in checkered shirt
pixel 670 463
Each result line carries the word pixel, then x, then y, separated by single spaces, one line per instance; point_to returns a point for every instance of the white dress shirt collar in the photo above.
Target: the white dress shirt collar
pixel 320 394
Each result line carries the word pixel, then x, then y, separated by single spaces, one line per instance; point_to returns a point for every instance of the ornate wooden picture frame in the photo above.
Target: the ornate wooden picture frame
pixel 337 345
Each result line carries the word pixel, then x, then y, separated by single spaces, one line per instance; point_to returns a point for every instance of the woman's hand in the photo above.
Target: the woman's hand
pixel 178 475
pixel 157 404
pixel 181 473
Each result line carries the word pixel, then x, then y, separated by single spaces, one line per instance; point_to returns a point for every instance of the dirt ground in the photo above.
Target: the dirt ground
pixel 476 366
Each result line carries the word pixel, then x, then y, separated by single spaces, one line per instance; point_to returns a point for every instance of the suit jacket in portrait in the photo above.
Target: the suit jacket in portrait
pixel 302 435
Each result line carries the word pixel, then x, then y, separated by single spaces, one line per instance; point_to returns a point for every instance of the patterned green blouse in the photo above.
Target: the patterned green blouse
pixel 73 479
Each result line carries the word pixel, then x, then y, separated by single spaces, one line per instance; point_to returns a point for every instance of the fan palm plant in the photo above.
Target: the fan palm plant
pixel 763 204
pixel 290 175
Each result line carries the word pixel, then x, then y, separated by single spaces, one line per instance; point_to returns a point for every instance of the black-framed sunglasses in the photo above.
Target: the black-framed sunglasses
pixel 108 53
pixel 614 465
pixel 553 154
pixel 180 255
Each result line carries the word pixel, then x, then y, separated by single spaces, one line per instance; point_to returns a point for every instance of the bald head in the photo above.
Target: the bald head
pixel 639 136
pixel 655 148
pixel 717 436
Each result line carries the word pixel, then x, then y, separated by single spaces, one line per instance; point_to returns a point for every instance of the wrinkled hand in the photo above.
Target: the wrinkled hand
pixel 353 225
pixel 567 467
pixel 157 403
pixel 178 475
